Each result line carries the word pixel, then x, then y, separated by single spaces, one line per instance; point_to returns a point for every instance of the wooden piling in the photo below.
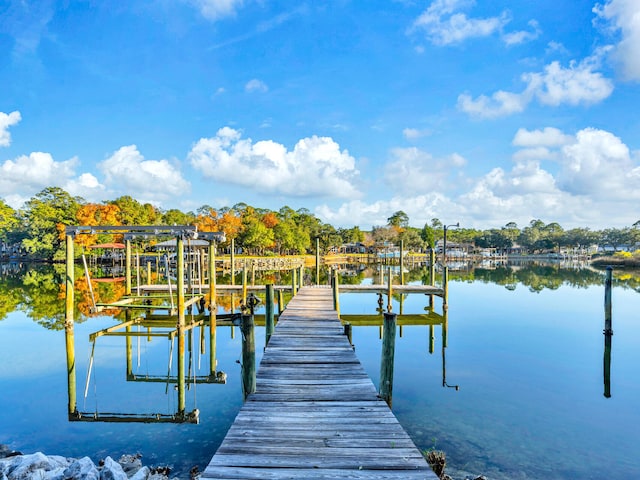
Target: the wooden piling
pixel 317 261
pixel 387 358
pixel 213 308
pixel 608 329
pixel 248 355
pixel 233 261
pixel 445 286
pixel 336 292
pixel 69 325
pixel 269 312
pixel 280 302
pixel 401 262
pixel 127 267
pixel 294 282
pixel 181 323
pixel 348 331
pixel 389 291
pixel 149 282
pixel 244 285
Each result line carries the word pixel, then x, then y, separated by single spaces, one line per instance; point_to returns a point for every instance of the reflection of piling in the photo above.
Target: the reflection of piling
pixel 608 332
pixel 607 365
pixel 68 326
pixel 607 302
pixel 269 312
pixel 386 362
pixel 248 355
pixel 432 339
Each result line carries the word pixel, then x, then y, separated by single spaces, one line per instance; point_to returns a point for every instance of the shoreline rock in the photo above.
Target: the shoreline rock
pixel 15 465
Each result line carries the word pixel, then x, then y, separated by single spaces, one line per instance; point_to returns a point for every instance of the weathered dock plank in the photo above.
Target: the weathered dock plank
pixel 315 413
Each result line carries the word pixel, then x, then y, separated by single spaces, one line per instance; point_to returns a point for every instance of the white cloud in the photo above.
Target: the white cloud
pixel 315 167
pixel 412 168
pixel 27 175
pixel 6 121
pixel 445 25
pixel 256 85
pixel 595 181
pixel 547 137
pixel 522 36
pixel 147 180
pixel 414 133
pixel 624 16
pixel 217 9
pixel 555 85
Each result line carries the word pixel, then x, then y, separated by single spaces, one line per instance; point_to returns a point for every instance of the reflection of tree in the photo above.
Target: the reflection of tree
pixel 11 294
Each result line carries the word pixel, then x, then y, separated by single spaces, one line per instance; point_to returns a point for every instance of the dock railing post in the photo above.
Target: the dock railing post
pixel 248 355
pixel 69 325
pixel 269 312
pixel 387 359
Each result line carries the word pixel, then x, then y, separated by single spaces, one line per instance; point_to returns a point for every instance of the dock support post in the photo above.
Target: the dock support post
pixel 401 262
pixel 387 359
pixel 212 309
pixel 280 301
pixel 269 312
pixel 301 277
pixel 607 302
pixel 294 282
pixel 233 261
pixel 445 286
pixel 181 324
pixel 244 285
pixel 336 292
pixel 317 261
pixel 127 267
pixel 69 324
pixel 389 291
pixel 248 355
pixel 149 282
pixel 348 331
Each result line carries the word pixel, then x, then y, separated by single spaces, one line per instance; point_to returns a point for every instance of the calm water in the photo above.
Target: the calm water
pixel 524 347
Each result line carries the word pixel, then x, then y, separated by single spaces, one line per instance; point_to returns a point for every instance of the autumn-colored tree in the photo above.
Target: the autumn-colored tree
pixel 93 214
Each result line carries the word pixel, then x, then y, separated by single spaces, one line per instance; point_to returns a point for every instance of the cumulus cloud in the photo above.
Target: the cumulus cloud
pixel 315 167
pixel 577 84
pixel 147 180
pixel 624 16
pixel 255 85
pixel 28 174
pixel 217 9
pixel 414 168
pixel 444 24
pixel 589 178
pixel 6 121
pixel 547 137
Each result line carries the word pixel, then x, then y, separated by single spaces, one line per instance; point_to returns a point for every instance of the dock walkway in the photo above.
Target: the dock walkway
pixel 315 413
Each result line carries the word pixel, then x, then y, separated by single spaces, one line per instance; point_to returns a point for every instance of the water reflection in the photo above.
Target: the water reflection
pixel 145 327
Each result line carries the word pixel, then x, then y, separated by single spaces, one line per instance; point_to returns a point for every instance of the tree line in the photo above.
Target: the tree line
pixel 38 228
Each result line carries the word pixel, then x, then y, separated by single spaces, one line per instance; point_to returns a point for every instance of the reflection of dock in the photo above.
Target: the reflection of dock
pixel 314 412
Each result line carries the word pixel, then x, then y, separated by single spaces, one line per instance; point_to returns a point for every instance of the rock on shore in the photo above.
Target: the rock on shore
pixel 38 466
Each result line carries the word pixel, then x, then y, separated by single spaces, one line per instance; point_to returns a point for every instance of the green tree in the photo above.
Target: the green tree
pixel 398 219
pixel 177 217
pixel 132 212
pixel 428 235
pixel 45 216
pixel 8 220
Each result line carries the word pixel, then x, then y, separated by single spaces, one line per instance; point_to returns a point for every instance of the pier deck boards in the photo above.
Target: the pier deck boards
pixel 315 413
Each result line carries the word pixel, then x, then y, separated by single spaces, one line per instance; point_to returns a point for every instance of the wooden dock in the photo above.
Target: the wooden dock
pixel 315 413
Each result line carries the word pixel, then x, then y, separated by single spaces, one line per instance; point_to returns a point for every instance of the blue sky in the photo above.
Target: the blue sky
pixel 481 112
